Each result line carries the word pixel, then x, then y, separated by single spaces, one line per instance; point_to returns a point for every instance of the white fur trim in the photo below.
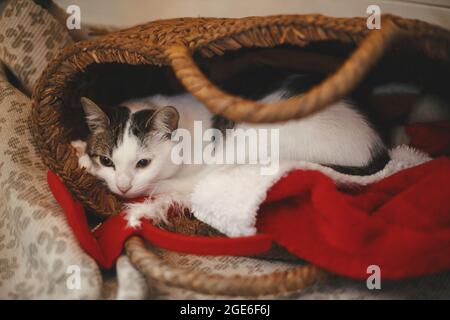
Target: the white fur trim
pixel 228 199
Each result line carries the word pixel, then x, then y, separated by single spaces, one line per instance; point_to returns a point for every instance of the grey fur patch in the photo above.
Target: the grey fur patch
pixel 221 123
pixel 164 120
pixel 379 160
pixel 138 124
pixel 103 141
pixel 107 135
pixel 156 123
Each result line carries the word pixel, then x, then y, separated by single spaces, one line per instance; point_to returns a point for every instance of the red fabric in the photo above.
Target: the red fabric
pixel 105 244
pixel 401 223
pixel 433 138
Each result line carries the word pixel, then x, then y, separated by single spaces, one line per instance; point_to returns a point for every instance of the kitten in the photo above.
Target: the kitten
pixel 129 146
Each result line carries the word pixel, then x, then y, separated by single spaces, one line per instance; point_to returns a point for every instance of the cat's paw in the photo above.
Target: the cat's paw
pixel 149 209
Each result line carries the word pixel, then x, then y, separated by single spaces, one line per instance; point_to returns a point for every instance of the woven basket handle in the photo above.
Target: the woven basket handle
pixel 330 90
pixel 156 269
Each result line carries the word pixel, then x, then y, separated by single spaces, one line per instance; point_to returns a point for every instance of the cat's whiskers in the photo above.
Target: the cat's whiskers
pixel 145 188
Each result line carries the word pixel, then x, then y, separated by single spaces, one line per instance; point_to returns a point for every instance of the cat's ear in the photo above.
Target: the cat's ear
pixel 96 118
pixel 164 119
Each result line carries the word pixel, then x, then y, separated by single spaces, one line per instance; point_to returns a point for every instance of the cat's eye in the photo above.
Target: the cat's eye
pixel 105 161
pixel 142 163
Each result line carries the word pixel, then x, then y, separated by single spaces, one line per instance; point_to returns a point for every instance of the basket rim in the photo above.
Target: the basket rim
pixel 154 268
pixel 131 46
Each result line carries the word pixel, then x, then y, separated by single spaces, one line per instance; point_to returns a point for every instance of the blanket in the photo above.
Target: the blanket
pixel 37 246
pixel 39 254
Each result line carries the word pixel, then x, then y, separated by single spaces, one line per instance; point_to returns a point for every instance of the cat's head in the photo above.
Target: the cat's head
pixel 130 151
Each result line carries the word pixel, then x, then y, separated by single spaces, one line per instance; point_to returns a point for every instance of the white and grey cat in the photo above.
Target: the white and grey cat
pixel 129 146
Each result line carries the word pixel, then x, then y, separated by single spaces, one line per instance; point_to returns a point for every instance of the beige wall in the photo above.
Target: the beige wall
pixel 130 12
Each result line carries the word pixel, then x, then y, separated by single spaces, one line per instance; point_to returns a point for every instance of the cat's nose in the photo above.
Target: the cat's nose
pixel 124 189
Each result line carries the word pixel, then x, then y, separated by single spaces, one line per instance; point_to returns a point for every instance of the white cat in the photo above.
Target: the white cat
pixel 129 147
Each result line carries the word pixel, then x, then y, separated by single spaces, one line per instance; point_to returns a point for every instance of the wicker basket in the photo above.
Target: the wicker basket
pixel 176 48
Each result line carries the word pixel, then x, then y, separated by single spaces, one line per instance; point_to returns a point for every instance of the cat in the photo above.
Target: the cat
pixel 129 146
